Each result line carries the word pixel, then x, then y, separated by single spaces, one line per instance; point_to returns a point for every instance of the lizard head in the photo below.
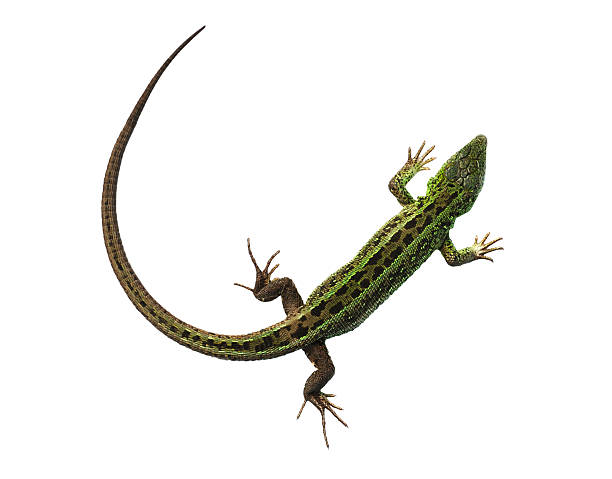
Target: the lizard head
pixel 463 172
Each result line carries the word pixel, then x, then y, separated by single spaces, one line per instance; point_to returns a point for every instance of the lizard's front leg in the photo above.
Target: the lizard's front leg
pixel 319 356
pixel 397 185
pixel 267 289
pixel 478 250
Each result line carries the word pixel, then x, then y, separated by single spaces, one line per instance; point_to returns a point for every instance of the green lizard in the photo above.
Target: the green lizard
pixel 345 299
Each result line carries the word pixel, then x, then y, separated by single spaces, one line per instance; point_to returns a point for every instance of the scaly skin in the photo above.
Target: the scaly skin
pixel 345 299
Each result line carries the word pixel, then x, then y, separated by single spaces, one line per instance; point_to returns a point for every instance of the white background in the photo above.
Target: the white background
pixel 284 121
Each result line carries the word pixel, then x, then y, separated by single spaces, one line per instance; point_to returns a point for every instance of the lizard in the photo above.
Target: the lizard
pixel 346 298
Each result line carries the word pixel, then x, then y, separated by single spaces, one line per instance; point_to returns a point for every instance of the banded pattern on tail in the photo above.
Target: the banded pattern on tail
pixel 276 340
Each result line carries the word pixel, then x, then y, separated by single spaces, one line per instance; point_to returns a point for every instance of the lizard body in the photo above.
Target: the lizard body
pixel 345 299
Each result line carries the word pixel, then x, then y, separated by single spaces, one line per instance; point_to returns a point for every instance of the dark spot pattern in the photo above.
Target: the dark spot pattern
pixel 336 308
pixel 300 332
pixel 374 259
pixel 377 272
pixel 317 310
pixel 358 275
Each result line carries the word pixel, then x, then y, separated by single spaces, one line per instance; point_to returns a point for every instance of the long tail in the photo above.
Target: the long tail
pixel 268 343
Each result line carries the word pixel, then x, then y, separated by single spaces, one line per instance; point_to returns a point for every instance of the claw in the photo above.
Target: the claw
pixel 492 249
pixel 251 254
pixel 420 149
pixel 302 408
pixel 418 162
pixel 481 248
pixel 262 278
pixel 321 402
pixel 492 242
pixel 324 430
pixel 428 151
pixel 243 286
pixel 269 262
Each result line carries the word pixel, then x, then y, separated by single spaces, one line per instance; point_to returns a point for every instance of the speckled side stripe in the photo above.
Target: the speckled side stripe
pixel 393 254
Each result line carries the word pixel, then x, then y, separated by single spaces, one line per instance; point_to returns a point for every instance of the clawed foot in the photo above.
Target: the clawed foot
pixel 321 402
pixel 481 248
pixel 418 162
pixel 262 278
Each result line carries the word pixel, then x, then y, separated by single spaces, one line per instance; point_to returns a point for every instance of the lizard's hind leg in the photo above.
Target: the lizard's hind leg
pixel 319 356
pixel 267 289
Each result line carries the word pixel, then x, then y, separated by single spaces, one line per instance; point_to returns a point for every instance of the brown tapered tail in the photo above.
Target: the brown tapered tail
pixel 262 344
